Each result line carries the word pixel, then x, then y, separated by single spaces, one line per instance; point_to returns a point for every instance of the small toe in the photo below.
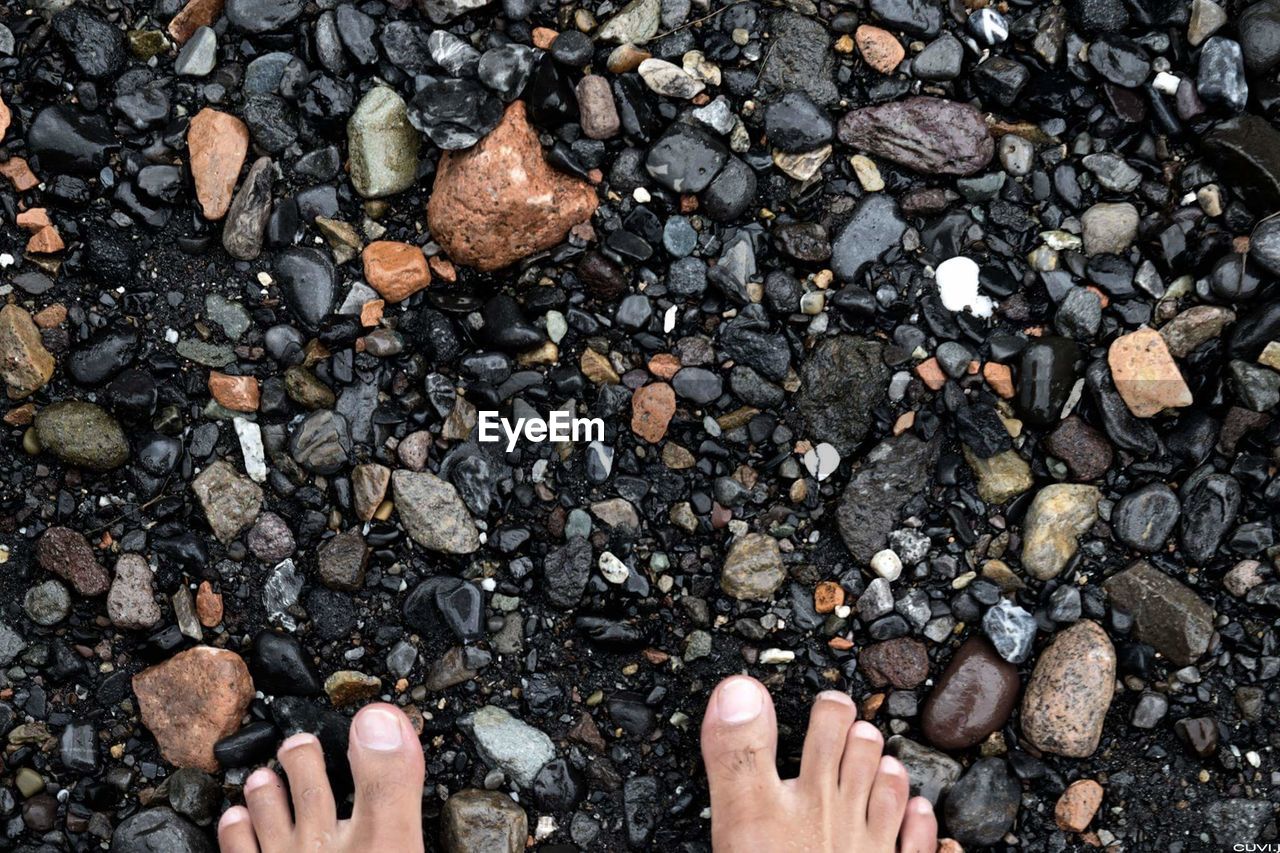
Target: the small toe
pixel 858 765
pixel 235 831
pixel 268 806
pixel 314 811
pixel 388 768
pixel 829 721
pixel 919 828
pixel 888 803
pixel 740 738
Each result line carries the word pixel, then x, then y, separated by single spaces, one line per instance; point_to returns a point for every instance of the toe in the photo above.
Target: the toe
pixel 888 803
pixel 919 828
pixel 829 721
pixel 315 814
pixel 858 765
pixel 739 739
pixel 235 832
pixel 387 766
pixel 269 809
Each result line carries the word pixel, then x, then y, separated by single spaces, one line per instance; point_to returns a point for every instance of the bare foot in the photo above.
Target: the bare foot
pixel 388 768
pixel 848 799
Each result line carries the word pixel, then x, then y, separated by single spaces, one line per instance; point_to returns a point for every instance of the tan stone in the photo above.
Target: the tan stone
pixel 33 219
pixel 194 15
pixel 1146 375
pixel 237 393
pixel 395 270
pixel 192 701
pixel 1000 378
pixel 651 409
pixel 368 488
pixel 217 144
pixel 500 201
pixel 880 48
pixel 664 365
pixel 475 820
pixel 46 241
pixel 1070 691
pixel 5 118
pixel 51 317
pixel 596 367
pixel 931 374
pixel 1058 516
pixel 25 365
pixel 1077 805
pixel 827 596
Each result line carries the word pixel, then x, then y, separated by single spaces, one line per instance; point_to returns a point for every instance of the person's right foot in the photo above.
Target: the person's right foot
pixel 848 798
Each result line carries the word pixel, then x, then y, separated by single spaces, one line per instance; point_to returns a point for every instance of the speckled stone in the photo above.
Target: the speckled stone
pixel 1070 691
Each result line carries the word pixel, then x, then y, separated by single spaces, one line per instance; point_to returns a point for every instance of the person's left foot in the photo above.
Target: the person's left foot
pixel 387 766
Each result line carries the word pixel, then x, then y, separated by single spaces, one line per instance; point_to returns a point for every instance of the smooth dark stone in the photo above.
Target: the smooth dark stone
pixel 972 698
pixel 1210 504
pixel 1046 374
pixel 74 141
pixel 282 667
pixel 308 281
pixel 1144 519
pixel 1166 614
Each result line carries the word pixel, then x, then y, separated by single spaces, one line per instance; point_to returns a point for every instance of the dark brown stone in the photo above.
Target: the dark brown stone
pixel 603 278
pixel 933 136
pixel 902 662
pixel 1167 615
pixel 67 554
pixel 1086 451
pixel 973 698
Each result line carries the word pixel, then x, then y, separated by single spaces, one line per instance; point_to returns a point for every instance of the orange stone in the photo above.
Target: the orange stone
pixel 51 317
pixel 21 415
pixel 1077 805
pixel 5 118
pixel 543 37
pixel 880 48
pixel 208 605
pixel 371 312
pixel 46 241
pixel 949 845
pixel 905 421
pixel 396 270
pixel 664 365
pixel 442 269
pixel 1000 378
pixel 19 174
pixel 33 219
pixel 651 409
pixel 237 393
pixel 931 374
pixel 840 644
pixel 217 144
pixel 192 701
pixel 499 201
pixel 827 596
pixel 194 15
pixel 1146 375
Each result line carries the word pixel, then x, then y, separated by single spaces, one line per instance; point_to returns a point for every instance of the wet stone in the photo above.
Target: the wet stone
pixel 473 819
pixel 1166 614
pixel 753 569
pixel 433 513
pixel 1058 516
pixel 930 135
pixel 893 473
pixel 1144 519
pixel 1070 690
pixel 972 698
pixel 230 501
pixel 983 803
pixel 82 434
pixel 65 553
pixel 508 743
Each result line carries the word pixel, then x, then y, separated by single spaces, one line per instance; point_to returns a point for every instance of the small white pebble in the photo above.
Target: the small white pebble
pixel 641 195
pixel 843 611
pixel 489 584
pixel 822 461
pixel 6 260
pixel 887 564
pixel 769 656
pixel 265 279
pixel 669 320
pixel 1166 83
pixel 958 285
pixel 614 570
pixel 171 336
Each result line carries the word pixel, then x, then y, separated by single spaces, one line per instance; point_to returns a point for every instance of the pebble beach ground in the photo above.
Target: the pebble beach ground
pixel 932 349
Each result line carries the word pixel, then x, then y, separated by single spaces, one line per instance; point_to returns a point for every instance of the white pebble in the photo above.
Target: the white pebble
pixel 171 336
pixel 769 656
pixel 255 458
pixel 958 284
pixel 6 260
pixel 614 570
pixel 641 195
pixel 1166 83
pixel 669 320
pixel 822 461
pixel 886 564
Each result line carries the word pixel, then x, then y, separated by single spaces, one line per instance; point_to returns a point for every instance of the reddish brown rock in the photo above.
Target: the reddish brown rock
pixel 1146 375
pixel 25 365
pixel 1077 805
pixel 192 701
pixel 65 553
pixel 217 144
pixel 5 118
pixel 499 201
pixel 1070 691
pixel 973 697
pixel 46 241
pixel 19 174
pixel 651 409
pixel 902 662
pixel 237 393
pixel 880 48
pixel 1086 451
pixel 208 605
pixel 194 15
pixel 395 270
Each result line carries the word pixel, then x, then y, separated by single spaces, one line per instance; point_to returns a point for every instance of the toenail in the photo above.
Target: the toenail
pixel 891 766
pixel 922 806
pixel 232 816
pixel 865 731
pixel 834 696
pixel 739 701
pixel 378 729
pixel 295 741
pixel 258 779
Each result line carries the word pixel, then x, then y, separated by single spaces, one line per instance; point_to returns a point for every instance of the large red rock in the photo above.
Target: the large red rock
pixel 193 700
pixel 500 201
pixel 217 144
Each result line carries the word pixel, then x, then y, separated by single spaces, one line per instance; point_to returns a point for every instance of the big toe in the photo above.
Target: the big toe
pixel 387 767
pixel 739 740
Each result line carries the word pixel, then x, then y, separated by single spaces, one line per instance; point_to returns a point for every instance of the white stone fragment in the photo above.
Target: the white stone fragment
pixel 255 456
pixel 958 285
pixel 769 656
pixel 822 461
pixel 886 564
pixel 614 570
pixel 1166 83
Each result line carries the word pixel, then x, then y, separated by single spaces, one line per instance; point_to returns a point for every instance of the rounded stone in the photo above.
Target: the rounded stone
pixel 972 698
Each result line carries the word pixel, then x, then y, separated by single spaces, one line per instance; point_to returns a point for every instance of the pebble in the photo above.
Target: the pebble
pixel 1066 700
pixel 217 144
pixel 1166 614
pixel 1145 518
pixel 983 803
pixel 932 136
pixel 1146 375
pixel 1058 516
pixel 508 743
pixel 1077 806
pixel 192 700
pixel 474 819
pixel 974 696
pixel 753 568
pixel 131 601
pixel 1011 629
pixel 384 146
pixel 230 502
pixel 433 513
pixel 65 553
pixel 81 434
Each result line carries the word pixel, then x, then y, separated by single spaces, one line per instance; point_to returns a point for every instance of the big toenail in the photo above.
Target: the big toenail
pixel 378 729
pixel 739 701
pixel 835 696
pixel 922 806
